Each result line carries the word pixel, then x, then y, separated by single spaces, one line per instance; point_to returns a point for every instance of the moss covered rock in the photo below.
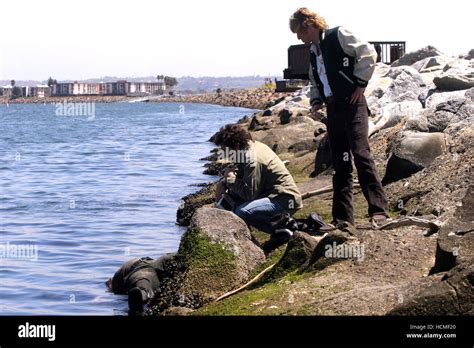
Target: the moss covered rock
pixel 217 254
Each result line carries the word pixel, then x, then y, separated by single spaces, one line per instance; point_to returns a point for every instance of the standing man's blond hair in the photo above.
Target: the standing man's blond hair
pixel 303 18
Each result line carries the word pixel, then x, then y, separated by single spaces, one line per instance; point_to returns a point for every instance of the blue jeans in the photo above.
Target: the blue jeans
pixel 258 213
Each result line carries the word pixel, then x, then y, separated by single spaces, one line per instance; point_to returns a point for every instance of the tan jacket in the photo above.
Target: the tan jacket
pixel 263 174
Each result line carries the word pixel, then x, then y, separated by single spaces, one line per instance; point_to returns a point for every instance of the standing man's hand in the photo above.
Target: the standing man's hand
pixel 315 108
pixel 357 95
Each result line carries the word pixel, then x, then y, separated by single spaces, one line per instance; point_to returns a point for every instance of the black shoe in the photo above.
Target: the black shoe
pixel 135 301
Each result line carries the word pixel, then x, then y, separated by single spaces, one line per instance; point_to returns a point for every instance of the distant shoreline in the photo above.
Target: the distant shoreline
pixel 252 98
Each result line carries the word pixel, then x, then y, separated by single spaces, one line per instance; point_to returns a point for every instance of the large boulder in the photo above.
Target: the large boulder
pixel 291 112
pixel 453 294
pixel 216 254
pixel 456 237
pixel 279 139
pixel 393 113
pixel 413 57
pixel 430 64
pixel 407 85
pixel 457 75
pixel 410 152
pixel 438 97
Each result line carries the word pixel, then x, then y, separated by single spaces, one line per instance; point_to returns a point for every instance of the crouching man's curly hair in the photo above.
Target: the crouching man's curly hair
pixel 233 136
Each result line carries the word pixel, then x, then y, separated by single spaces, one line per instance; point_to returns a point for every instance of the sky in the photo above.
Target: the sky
pixel 79 39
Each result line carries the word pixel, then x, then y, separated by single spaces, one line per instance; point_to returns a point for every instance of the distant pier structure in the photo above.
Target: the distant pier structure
pixel 389 51
pixel 296 75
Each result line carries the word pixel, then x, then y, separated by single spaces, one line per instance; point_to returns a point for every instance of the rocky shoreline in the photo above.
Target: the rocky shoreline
pixel 252 98
pixel 70 99
pixel 422 137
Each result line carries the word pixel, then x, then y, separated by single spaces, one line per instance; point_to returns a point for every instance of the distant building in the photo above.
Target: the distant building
pixel 40 91
pixel 7 91
pixel 120 87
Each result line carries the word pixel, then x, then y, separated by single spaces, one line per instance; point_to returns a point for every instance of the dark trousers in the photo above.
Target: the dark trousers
pixel 348 136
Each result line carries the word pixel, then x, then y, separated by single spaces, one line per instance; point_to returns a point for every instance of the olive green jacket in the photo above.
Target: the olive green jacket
pixel 262 174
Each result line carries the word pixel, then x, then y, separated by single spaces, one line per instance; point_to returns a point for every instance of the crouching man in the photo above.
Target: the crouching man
pixel 139 278
pixel 259 183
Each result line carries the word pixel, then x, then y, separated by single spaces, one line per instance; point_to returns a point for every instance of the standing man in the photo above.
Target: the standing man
pixel 341 67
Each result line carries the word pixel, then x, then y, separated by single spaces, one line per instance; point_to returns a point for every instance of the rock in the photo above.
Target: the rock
pixel 280 138
pixel 177 311
pixel 430 64
pixel 303 145
pixel 452 295
pixel 407 85
pixel 417 122
pixel 413 57
pixel 438 121
pixel 320 129
pixel 393 113
pixel 470 95
pixel 217 254
pixel 285 115
pixel 411 152
pixel 307 120
pixel 193 201
pixel 456 237
pixel 470 55
pixel 457 75
pixel 320 258
pixel 438 97
pixel 453 113
pixel 298 252
pixel 215 167
pixel 267 112
pixel 454 81
pixel 261 123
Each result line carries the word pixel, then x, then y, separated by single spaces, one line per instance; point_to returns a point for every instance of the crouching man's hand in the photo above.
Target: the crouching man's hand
pixel 220 189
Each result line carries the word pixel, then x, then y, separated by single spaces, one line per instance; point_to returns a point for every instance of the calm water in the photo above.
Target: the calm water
pixel 89 194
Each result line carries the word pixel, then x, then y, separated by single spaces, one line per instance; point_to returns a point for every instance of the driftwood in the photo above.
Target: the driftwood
pixel 322 191
pixel 246 285
pixel 411 221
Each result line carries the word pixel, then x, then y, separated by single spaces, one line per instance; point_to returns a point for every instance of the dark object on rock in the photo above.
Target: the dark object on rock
pixel 399 168
pixel 215 168
pixel 285 116
pixel 273 103
pixel 267 112
pixel 298 252
pixel 193 201
pixel 323 157
pixel 275 241
pixel 319 130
